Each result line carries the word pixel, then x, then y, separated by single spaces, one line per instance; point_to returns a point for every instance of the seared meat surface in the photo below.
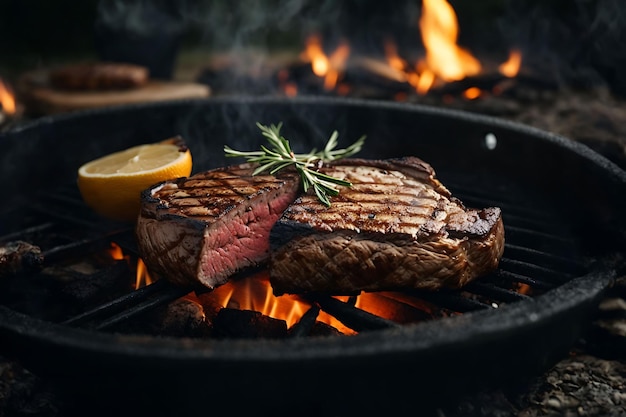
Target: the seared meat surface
pixel 397 227
pixel 203 229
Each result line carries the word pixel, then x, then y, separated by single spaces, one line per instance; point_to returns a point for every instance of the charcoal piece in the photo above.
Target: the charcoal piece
pixel 84 290
pixel 19 256
pixel 247 324
pixel 181 318
pixel 323 329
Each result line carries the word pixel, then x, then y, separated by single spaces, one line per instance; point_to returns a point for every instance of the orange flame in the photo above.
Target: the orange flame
pixel 393 59
pixel 289 88
pixel 327 67
pixel 444 60
pixel 316 56
pixel 472 93
pixel 524 289
pixel 511 67
pixel 255 293
pixel 7 100
pixel 142 277
pixel 116 252
pixel 425 81
pixel 439 29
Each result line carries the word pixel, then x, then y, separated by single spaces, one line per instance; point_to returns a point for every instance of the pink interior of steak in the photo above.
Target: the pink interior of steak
pixel 241 239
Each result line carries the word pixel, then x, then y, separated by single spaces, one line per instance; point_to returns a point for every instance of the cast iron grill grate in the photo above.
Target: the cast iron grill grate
pixel 540 254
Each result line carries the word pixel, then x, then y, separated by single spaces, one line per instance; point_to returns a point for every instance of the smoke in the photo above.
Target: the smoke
pixel 137 17
pixel 580 42
pixel 219 24
pixel 265 24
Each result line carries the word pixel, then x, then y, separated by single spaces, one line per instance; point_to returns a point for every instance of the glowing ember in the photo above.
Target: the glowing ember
pixel 255 293
pixel 116 252
pixel 439 29
pixel 394 60
pixel 524 289
pixel 511 67
pixel 327 67
pixel 7 100
pixel 472 93
pixel 289 88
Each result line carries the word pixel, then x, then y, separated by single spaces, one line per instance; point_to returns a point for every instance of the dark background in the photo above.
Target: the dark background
pixel 581 39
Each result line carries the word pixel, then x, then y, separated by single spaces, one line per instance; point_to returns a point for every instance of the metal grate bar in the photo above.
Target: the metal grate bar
pixel 450 300
pixel 526 222
pixel 507 207
pixel 492 291
pixel 77 246
pixel 532 235
pixel 69 218
pixel 21 234
pixel 545 258
pixel 527 268
pixel 353 317
pixel 523 279
pixel 125 301
pixel 169 294
pixel 304 326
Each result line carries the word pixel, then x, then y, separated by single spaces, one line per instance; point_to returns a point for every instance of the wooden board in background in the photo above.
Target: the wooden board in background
pixel 40 97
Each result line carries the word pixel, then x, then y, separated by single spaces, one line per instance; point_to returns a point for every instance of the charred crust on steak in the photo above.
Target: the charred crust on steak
pixel 202 229
pixel 396 227
pixel 474 222
pixel 289 230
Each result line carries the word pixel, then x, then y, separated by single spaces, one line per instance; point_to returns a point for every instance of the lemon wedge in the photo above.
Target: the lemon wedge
pixel 112 185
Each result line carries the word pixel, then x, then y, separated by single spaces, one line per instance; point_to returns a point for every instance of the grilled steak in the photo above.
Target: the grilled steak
pixel 202 229
pixel 396 227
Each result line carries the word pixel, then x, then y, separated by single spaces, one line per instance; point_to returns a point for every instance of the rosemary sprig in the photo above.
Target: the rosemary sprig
pixel 279 155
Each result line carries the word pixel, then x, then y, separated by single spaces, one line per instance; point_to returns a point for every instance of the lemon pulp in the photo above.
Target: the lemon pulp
pixel 112 185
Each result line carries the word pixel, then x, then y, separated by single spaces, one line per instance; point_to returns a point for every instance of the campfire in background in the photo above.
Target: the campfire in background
pixel 329 68
pixel 445 68
pixel 9 110
pixel 444 61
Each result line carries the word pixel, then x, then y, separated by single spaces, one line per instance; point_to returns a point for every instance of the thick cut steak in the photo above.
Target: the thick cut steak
pixel 397 227
pixel 204 228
